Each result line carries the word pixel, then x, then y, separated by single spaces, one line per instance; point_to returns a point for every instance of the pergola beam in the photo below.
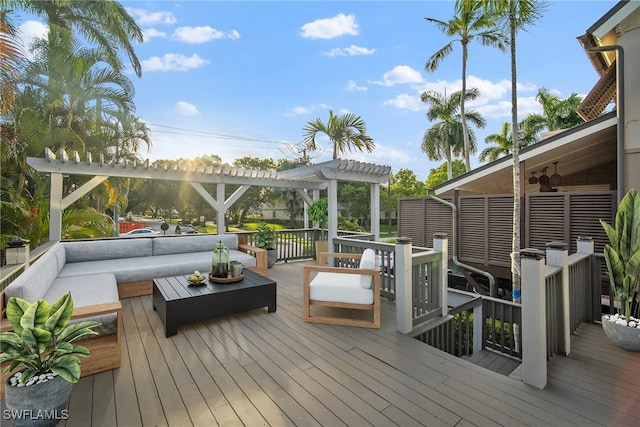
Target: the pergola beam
pixel 311 177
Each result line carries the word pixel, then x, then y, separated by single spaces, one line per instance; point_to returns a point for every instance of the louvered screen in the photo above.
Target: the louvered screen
pixel 545 220
pixel 473 231
pixel 586 210
pixel 500 230
pixel 437 220
pixel 410 220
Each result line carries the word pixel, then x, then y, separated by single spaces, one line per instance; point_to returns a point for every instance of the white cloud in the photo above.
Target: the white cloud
pixel 173 62
pixel 28 32
pixel 400 74
pixel 353 87
pixel 297 111
pixel 185 109
pixel 144 17
pixel 152 33
pixel 194 35
pixel 352 50
pixel 405 101
pixel 329 28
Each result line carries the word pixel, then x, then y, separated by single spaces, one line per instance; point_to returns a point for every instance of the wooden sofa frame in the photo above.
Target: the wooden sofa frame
pixel 106 350
pixel 308 302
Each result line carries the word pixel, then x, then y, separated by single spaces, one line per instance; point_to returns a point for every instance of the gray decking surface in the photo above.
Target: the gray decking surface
pixel 260 368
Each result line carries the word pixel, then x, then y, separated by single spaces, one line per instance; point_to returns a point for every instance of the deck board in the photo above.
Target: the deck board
pixel 258 368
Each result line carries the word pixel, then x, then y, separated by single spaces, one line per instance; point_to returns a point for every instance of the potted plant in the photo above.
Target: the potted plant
pixel 266 239
pixel 622 256
pixel 41 347
pixel 318 212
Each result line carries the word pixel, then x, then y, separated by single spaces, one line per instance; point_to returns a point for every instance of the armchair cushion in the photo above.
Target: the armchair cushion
pixel 368 262
pixel 341 287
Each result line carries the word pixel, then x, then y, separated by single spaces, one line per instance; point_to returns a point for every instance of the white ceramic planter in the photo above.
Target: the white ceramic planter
pixel 624 336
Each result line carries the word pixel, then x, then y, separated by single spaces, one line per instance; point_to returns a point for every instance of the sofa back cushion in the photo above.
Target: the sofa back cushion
pixel 60 253
pixel 368 261
pixel 94 250
pixel 185 244
pixel 35 280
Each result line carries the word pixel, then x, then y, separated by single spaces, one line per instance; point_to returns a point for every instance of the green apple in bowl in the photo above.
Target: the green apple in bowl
pixel 196 277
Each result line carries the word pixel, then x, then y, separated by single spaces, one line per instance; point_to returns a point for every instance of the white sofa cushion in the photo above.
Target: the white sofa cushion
pixel 198 243
pixel 89 290
pixel 91 250
pixel 147 268
pixel 368 261
pixel 35 280
pixel 340 287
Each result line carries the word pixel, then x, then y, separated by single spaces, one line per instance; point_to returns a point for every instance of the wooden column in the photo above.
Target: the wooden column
pixel 534 343
pixel 404 285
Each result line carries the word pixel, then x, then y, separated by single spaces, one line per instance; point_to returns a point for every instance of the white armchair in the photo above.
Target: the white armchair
pixel 343 287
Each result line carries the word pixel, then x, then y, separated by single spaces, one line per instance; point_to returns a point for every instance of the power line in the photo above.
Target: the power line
pixel 211 134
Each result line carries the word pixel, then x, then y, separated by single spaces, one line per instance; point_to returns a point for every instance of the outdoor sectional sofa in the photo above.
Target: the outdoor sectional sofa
pixel 100 272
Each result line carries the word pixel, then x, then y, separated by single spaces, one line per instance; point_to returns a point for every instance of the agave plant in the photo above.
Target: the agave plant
pixel 42 338
pixel 622 255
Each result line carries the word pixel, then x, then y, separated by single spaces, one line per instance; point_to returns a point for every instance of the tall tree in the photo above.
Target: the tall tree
pixel 10 57
pixel 105 24
pixel 517 15
pixel 439 175
pixel 502 144
pixel 442 141
pixel 470 22
pixel 557 113
pixel 346 132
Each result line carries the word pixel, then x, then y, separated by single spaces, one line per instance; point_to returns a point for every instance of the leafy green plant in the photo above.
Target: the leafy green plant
pixel 42 338
pixel 265 236
pixel 319 211
pixel 622 255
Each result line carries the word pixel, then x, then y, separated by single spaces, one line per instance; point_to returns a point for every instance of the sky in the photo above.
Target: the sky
pixel 243 78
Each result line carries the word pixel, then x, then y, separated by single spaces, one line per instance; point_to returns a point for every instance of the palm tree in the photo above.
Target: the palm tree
pixel 557 113
pixel 470 22
pixel 105 23
pixel 517 15
pixel 10 57
pixel 503 141
pixel 503 144
pixel 442 141
pixel 346 132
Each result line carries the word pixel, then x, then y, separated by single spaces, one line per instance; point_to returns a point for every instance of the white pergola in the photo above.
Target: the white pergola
pixel 304 179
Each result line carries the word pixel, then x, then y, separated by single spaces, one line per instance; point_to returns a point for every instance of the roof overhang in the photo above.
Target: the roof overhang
pixel 583 147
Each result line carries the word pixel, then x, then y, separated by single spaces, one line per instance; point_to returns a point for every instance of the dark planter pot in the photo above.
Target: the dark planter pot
pixel 624 336
pixel 272 256
pixel 39 404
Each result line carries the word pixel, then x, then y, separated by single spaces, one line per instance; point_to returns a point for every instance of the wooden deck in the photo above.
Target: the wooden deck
pixel 259 368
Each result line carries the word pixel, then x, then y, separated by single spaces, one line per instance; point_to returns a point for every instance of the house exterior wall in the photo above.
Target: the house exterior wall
pixel 629 39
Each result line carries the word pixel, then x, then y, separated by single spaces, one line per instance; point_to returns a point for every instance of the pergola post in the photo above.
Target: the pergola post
pixel 332 195
pixel 220 211
pixel 55 208
pixel 375 211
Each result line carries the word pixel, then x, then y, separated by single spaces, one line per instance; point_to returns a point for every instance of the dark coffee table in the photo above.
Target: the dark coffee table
pixel 177 302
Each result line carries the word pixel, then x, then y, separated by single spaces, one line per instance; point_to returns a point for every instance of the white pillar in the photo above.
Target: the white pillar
pixel 558 255
pixel 375 211
pixel 534 343
pixel 221 210
pixel 404 285
pixel 332 195
pixel 441 244
pixel 55 208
